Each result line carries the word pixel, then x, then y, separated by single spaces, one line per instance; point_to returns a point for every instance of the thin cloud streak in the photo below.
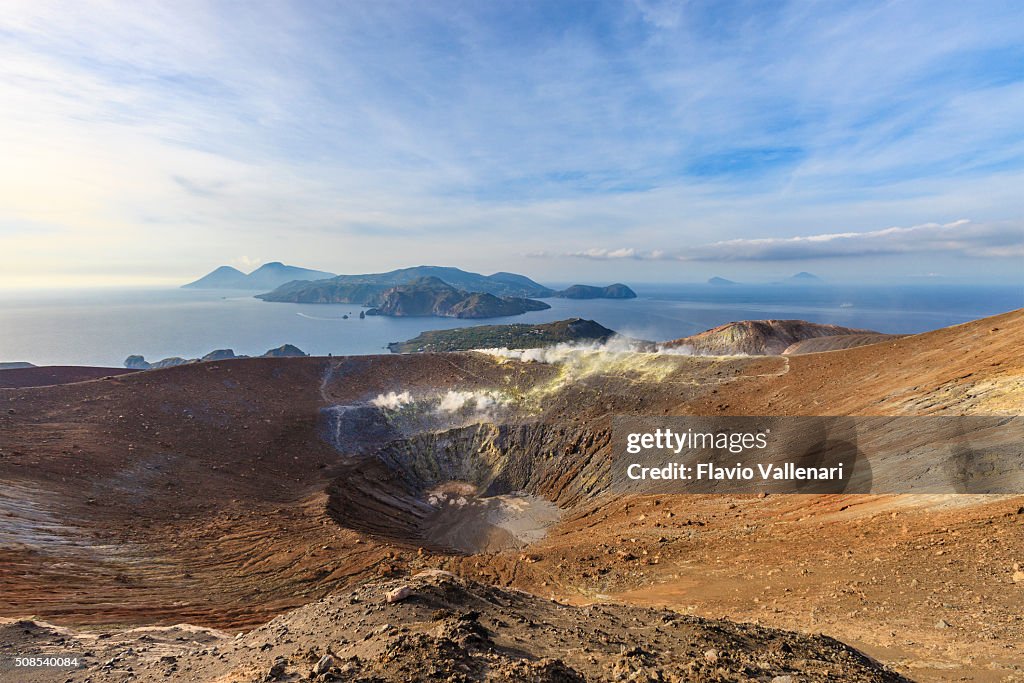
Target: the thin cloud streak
pixel 356 136
pixel 963 238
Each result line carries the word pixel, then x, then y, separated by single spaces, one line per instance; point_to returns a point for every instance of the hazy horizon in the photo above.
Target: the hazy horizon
pixel 636 141
pixel 560 280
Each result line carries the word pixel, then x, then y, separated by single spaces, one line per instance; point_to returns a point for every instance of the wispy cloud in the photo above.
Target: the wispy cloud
pixel 368 135
pixel 962 238
pixel 606 254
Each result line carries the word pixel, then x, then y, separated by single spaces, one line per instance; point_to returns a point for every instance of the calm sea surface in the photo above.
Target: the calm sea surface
pixel 102 327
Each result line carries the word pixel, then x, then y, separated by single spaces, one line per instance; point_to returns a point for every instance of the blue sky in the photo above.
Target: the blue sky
pixel 150 142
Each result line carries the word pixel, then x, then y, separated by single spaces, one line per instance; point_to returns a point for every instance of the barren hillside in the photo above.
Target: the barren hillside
pixel 227 493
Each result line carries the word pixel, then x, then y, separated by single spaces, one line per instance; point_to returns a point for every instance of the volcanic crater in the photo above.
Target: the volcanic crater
pixel 225 494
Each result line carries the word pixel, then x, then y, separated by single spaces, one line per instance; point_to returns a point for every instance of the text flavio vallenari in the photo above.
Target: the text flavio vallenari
pixel 667 440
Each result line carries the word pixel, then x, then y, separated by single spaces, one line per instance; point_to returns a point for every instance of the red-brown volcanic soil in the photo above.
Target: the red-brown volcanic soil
pixel 838 342
pixel 223 494
pixel 15 378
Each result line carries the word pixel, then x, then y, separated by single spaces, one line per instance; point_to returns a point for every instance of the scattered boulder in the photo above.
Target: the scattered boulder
pixel 399 594
pixel 277 670
pixel 323 665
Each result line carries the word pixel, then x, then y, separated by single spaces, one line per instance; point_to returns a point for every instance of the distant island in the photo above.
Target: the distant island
pixel 515 336
pixel 140 362
pixel 431 296
pixel 616 291
pixel 802 278
pixel 369 289
pixel 267 276
pixel 720 281
pixel 15 365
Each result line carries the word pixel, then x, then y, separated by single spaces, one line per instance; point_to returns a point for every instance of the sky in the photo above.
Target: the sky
pixel 642 141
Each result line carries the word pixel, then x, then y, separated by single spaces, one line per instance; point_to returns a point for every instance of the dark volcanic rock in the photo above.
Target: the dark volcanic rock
pixel 431 296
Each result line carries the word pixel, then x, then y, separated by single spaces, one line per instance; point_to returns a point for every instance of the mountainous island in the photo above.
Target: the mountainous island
pixel 368 289
pixel 267 276
pixel 616 291
pixel 802 278
pixel 431 296
pixel 329 291
pixel 515 336
pixel 720 281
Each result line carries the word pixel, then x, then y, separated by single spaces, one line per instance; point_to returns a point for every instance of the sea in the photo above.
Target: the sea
pixel 102 326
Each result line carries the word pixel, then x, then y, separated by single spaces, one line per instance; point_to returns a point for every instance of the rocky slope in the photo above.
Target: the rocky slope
pixel 430 296
pixel 838 342
pixel 757 337
pixel 435 626
pixel 515 336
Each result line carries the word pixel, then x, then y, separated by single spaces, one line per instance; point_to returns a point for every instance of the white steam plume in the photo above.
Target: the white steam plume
pixel 392 401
